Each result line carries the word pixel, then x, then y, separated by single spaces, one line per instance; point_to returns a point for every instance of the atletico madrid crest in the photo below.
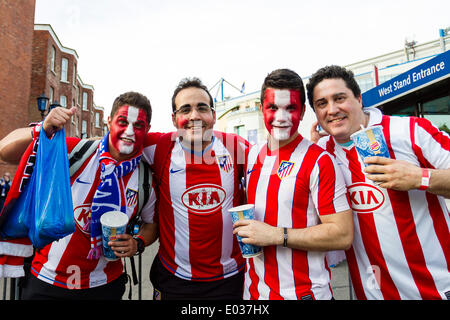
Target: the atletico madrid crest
pixel 131 197
pixel 285 169
pixel 225 163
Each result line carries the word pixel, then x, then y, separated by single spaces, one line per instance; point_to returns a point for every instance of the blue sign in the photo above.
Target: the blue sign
pixel 431 71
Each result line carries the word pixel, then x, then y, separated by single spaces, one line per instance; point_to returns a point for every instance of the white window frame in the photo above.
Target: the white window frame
pixel 85 101
pixel 84 128
pixel 63 101
pixel 53 58
pixel 64 69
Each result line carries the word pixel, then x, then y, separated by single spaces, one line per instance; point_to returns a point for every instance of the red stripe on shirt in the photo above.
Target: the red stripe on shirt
pixel 438 136
pixel 440 225
pixel 302 191
pixel 369 235
pixel 412 248
pixel 354 274
pixel 417 149
pixel 436 213
pixel 271 218
pixel 327 183
pixel 251 192
pixel 205 243
pixel 166 215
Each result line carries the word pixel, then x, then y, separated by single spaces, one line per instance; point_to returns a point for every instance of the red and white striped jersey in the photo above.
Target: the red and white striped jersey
pixel 195 193
pixel 291 187
pixel 64 262
pixel 401 247
pixel 12 254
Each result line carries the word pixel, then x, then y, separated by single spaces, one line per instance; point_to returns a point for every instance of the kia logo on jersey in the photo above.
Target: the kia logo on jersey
pixel 365 198
pixel 81 214
pixel 203 198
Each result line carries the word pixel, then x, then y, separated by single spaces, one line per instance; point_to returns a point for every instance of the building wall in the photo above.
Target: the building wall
pixel 26 72
pixel 16 36
pixel 397 62
pixel 47 80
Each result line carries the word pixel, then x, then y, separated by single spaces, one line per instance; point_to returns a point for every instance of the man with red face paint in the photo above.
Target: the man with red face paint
pixel 198 173
pixel 301 204
pixel 74 267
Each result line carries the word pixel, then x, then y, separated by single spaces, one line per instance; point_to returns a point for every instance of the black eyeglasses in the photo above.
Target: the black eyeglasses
pixel 187 109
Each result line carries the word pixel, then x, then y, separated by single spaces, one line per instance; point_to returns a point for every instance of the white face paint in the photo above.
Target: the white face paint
pixel 124 146
pixel 282 123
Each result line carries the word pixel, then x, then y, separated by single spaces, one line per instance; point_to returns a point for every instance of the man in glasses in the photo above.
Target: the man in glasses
pixel 198 173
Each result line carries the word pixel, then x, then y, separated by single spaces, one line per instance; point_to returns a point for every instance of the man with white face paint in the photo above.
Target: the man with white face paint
pixel 301 204
pixel 74 267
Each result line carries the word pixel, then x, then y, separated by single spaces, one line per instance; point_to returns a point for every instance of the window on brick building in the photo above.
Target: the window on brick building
pixel 64 68
pixel 84 129
pixel 53 59
pixel 52 92
pixel 77 130
pixel 85 101
pixel 63 101
pixel 74 76
pixel 97 120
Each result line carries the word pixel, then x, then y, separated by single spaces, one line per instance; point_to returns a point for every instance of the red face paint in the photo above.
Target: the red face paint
pixel 128 129
pixel 182 121
pixel 282 111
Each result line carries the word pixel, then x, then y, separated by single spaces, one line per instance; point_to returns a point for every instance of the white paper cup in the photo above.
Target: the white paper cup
pixel 370 142
pixel 113 224
pixel 245 212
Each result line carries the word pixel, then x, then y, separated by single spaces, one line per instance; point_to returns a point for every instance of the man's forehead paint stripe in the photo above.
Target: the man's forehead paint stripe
pixel 282 97
pixel 133 114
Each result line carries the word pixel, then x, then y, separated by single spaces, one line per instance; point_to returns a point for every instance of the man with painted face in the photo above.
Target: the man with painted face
pixel 198 172
pixel 301 205
pixel 401 248
pixel 74 267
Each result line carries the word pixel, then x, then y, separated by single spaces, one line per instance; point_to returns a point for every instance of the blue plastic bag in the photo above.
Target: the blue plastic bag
pixel 44 210
pixel 19 213
pixel 17 224
pixel 52 205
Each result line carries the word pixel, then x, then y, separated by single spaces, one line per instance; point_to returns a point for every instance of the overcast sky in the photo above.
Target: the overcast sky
pixel 150 45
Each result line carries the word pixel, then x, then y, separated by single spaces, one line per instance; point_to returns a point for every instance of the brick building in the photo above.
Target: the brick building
pixel 33 62
pixel 16 39
pixel 54 73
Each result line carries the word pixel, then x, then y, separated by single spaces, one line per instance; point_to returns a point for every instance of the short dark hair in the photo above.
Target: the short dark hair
pixel 134 99
pixel 332 72
pixel 283 79
pixel 191 83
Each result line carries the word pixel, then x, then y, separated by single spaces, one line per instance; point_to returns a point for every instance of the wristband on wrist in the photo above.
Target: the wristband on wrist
pixel 426 176
pixel 285 237
pixel 36 130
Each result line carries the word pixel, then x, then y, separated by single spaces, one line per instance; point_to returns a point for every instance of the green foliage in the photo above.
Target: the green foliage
pixel 444 128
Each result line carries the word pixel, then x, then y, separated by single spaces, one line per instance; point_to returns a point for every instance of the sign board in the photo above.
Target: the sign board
pixel 434 70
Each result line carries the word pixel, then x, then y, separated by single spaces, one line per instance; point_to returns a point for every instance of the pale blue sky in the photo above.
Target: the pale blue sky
pixel 149 45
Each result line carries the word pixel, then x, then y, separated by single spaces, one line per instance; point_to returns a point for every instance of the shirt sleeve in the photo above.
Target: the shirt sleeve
pixel 71 142
pixel 431 146
pixel 327 186
pixel 150 145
